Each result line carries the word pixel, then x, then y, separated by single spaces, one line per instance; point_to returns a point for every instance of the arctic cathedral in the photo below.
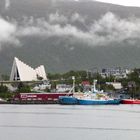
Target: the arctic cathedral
pixel 23 72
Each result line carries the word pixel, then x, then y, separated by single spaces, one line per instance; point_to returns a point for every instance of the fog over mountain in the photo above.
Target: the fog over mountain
pixel 69 34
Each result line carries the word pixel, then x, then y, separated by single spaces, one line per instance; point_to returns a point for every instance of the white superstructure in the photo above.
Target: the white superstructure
pixel 23 72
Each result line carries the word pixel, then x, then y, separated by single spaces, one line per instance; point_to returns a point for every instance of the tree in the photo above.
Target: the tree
pixel 3 89
pixel 107 87
pixel 4 77
pixel 4 93
pixel 23 88
pixel 132 83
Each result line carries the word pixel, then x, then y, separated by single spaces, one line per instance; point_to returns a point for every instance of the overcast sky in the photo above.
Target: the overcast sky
pixel 123 2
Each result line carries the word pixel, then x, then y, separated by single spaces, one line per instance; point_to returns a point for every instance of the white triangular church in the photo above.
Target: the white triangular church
pixel 23 72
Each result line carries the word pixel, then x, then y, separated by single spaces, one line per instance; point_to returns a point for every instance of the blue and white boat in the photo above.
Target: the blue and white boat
pixel 95 97
pixel 70 100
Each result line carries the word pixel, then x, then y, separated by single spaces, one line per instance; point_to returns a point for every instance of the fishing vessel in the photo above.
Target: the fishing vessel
pixel 94 97
pixel 90 100
pixel 93 100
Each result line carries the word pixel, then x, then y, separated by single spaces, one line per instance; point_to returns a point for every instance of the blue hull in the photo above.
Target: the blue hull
pixel 98 102
pixel 67 100
pixel 114 102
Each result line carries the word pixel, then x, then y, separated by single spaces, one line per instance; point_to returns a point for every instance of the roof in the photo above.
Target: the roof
pixel 23 72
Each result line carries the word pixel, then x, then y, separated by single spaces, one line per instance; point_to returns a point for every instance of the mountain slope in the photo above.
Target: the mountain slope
pixel 66 35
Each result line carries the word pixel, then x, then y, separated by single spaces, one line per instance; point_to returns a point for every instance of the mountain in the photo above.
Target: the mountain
pixel 69 35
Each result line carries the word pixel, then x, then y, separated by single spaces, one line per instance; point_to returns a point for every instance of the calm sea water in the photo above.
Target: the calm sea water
pixel 59 122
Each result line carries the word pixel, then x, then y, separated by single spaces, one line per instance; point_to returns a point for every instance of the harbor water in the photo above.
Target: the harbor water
pixel 69 122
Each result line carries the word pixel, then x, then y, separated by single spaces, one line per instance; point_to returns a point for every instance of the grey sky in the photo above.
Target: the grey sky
pixel 123 2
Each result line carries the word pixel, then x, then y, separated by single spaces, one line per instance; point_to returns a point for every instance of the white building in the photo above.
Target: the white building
pixel 116 85
pixel 23 72
pixel 63 88
pixel 117 72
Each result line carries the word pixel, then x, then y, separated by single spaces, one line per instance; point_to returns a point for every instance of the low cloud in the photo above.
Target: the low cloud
pixel 107 29
pixel 7 31
pixel 111 28
pixel 7 4
pixel 77 17
pixel 57 18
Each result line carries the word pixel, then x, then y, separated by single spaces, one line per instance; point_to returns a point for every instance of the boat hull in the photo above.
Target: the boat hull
pixel 68 100
pixel 98 102
pixel 114 101
pixel 130 101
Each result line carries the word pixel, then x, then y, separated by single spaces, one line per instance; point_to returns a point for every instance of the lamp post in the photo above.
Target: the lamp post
pixel 132 85
pixel 73 78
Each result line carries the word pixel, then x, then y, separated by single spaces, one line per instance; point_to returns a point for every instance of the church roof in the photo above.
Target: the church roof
pixel 23 72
